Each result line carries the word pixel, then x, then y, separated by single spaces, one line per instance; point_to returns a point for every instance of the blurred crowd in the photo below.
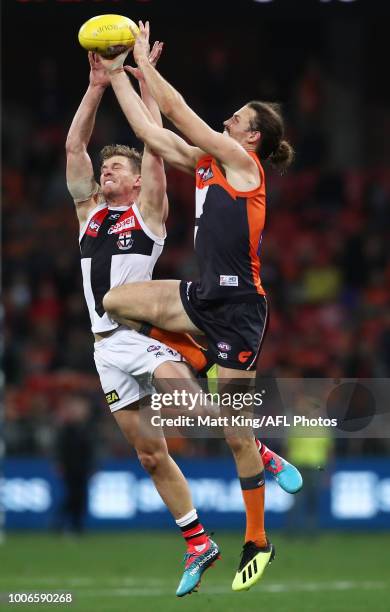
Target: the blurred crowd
pixel 325 255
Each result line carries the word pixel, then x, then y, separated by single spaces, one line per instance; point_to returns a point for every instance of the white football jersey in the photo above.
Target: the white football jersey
pixel 116 248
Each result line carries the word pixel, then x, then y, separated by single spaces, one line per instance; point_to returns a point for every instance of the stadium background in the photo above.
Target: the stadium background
pixel 325 266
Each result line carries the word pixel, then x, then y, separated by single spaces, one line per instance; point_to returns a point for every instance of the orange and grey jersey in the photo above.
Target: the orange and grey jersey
pixel 228 233
pixel 116 248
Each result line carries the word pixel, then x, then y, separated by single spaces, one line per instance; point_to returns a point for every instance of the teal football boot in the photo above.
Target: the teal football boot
pixel 196 563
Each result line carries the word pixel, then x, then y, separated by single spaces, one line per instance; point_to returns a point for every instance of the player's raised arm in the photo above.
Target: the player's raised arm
pixel 172 104
pixel 79 171
pixel 153 199
pixel 166 143
pixel 146 96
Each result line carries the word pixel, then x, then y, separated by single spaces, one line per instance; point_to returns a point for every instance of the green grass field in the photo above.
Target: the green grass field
pixel 139 572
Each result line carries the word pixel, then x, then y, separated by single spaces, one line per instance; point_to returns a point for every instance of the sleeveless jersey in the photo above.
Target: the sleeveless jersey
pixel 228 232
pixel 116 248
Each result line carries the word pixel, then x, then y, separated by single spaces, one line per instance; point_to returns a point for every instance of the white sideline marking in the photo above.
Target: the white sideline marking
pixel 225 589
pixel 84 581
pixel 127 587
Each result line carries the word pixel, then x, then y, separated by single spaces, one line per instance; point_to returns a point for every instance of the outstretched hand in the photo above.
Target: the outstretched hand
pixel 154 56
pixel 98 76
pixel 113 64
pixel 141 48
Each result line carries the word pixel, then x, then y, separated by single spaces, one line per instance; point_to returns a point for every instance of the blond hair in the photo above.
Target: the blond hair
pixel 134 156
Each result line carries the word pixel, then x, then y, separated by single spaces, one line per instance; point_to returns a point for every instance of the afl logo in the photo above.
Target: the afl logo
pixel 93 228
pixel 224 346
pixel 125 241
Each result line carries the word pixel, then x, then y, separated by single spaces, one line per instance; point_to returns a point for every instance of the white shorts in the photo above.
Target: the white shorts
pixel 126 361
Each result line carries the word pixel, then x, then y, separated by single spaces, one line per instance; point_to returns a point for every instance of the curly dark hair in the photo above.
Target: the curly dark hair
pixel 272 145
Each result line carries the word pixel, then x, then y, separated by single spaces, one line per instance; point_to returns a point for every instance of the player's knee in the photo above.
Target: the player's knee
pixel 238 443
pixel 151 461
pixel 111 303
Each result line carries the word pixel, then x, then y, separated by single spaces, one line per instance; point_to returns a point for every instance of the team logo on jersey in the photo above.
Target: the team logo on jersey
pixel 112 397
pixel 114 216
pixel 244 356
pixel 125 241
pixel 205 173
pixel 123 225
pixel 226 280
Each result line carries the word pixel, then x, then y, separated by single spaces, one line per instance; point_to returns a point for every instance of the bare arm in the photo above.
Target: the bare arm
pixel 172 104
pixel 79 171
pixel 163 142
pixel 147 98
pixel 153 201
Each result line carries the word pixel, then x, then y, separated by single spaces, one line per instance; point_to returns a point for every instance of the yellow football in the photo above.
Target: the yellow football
pixel 108 35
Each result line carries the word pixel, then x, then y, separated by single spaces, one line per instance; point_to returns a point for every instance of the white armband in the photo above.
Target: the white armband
pixel 83 189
